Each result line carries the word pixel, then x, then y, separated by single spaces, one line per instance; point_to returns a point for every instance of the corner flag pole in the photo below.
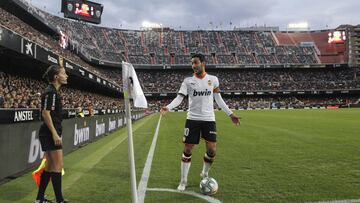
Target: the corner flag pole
pixel 126 86
pixel 132 88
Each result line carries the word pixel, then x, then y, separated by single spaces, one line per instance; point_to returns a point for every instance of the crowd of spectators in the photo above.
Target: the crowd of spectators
pixel 21 92
pixel 161 47
pixel 164 81
pixel 167 46
pixel 13 23
pixel 251 102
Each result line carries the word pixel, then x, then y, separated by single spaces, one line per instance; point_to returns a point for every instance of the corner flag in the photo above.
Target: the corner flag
pixel 131 84
pixel 130 78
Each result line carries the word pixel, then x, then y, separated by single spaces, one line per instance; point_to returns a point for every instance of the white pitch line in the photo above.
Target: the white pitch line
pixel 192 193
pixel 340 201
pixel 146 172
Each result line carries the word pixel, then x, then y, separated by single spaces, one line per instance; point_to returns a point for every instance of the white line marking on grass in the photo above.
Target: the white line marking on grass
pixel 192 193
pixel 91 160
pixel 146 172
pixel 87 163
pixel 339 201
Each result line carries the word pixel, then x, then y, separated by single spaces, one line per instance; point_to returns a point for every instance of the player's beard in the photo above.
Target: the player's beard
pixel 198 70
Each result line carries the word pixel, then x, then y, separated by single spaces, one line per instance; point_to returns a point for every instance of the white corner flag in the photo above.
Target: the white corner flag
pixel 131 85
pixel 130 79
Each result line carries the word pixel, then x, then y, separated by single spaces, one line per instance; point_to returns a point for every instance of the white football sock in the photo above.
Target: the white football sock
pixel 206 168
pixel 185 166
pixel 207 165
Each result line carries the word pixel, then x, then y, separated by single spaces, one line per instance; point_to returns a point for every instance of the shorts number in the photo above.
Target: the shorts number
pixel 186 132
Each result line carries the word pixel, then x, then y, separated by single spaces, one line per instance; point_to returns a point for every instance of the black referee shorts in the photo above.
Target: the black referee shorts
pixel 194 129
pixel 48 144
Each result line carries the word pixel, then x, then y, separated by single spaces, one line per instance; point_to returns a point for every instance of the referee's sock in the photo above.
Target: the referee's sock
pixel 44 181
pixel 56 182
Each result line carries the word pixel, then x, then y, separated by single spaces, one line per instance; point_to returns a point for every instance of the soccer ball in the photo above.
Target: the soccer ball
pixel 208 186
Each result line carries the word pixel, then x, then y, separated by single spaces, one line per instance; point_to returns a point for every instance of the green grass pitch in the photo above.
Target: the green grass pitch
pixel 274 156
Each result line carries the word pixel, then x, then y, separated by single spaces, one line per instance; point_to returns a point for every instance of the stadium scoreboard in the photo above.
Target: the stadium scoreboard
pixel 82 10
pixel 337 37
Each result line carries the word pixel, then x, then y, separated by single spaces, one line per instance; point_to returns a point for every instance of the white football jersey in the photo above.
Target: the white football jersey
pixel 201 98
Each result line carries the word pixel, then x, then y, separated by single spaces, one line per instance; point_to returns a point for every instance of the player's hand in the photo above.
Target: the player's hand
pixel 164 110
pixel 57 140
pixel 235 119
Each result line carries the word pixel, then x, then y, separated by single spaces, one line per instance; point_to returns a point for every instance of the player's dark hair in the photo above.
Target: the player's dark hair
pixel 200 56
pixel 50 73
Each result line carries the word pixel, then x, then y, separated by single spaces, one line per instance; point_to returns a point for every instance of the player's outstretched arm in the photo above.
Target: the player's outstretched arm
pixel 176 102
pixel 219 100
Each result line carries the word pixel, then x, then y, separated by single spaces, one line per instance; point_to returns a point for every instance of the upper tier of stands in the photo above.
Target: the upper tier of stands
pixel 153 47
pixel 167 46
pixel 326 53
pixel 171 47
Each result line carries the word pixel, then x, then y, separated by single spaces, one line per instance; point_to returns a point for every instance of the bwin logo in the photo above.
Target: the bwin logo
pixel 201 93
pixel 29 50
pixel 120 122
pixel 81 135
pixel 112 125
pixel 35 149
pixel 100 129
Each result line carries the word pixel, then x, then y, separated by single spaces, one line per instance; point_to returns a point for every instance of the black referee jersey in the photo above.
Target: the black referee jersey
pixel 51 100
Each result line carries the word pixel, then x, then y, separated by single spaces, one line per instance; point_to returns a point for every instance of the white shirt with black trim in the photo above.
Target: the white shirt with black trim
pixel 201 98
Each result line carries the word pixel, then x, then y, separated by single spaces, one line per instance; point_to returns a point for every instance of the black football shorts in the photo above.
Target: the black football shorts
pixel 196 129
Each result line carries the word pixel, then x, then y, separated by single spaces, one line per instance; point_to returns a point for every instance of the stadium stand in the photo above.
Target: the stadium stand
pixel 257 80
pixel 170 47
pixel 21 92
pixel 156 46
pixel 15 24
pixel 327 53
pixel 270 102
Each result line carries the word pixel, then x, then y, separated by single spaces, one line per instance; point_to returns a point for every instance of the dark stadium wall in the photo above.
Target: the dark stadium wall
pixel 18 64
